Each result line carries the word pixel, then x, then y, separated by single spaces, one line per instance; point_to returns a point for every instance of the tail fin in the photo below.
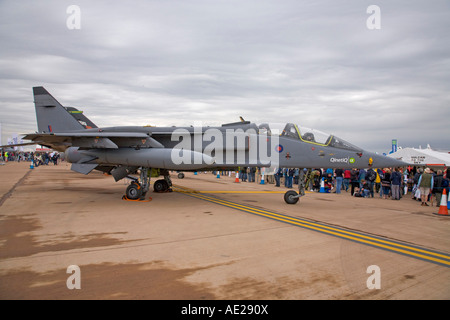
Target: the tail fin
pixel 51 115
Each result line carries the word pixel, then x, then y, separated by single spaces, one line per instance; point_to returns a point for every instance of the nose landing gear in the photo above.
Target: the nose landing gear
pixel 292 197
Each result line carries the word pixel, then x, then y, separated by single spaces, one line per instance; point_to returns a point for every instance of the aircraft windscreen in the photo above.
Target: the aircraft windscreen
pixel 325 139
pixel 312 135
pixel 305 134
pixel 342 144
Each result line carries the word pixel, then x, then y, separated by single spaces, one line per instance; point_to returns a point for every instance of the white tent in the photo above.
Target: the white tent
pixel 422 157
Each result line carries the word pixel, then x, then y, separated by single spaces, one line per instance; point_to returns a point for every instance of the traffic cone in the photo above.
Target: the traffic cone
pixel 218 174
pixel 32 164
pixel 237 177
pixel 262 179
pixel 195 173
pixel 443 210
pixel 322 186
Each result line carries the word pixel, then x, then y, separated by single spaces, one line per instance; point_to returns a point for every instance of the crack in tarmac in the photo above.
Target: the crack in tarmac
pixel 10 192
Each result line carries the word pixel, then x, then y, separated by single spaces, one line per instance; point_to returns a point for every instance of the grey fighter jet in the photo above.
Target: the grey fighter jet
pixel 141 152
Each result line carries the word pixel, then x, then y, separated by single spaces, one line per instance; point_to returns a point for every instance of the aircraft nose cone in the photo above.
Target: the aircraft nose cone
pixel 380 161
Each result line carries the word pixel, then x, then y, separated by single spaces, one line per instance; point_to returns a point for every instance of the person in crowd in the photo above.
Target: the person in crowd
pixel 55 158
pixel 416 191
pixel 354 181
pixel 386 183
pixel 425 185
pixel 361 176
pixel 447 177
pixel 285 176
pixel 446 183
pixel 339 179
pixel 380 173
pixel 45 158
pixel 328 182
pixel 438 186
pixel 406 180
pixel 396 182
pixel 371 176
pixel 365 189
pixel 296 175
pixel 347 176
pixel 243 174
pixel 329 172
pixel 290 177
pixel 316 177
pixel 278 174
pixel 258 175
pixel 253 173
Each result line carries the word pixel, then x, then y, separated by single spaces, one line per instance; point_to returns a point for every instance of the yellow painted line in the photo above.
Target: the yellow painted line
pixel 339 233
pixel 377 242
pixel 272 214
pixel 234 191
pixel 184 189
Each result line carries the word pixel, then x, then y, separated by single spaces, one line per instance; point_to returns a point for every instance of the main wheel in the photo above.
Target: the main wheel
pixel 160 186
pixel 291 197
pixel 134 191
pixel 181 175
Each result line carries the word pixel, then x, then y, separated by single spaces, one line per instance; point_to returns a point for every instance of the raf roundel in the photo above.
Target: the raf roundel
pixel 279 148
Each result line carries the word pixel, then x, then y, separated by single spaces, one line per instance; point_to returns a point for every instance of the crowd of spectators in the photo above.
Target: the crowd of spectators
pixel 38 158
pixel 424 185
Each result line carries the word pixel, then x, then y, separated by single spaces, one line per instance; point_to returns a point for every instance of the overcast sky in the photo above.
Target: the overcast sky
pixel 164 63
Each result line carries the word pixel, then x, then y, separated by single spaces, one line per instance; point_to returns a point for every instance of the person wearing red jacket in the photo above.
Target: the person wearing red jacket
pixel 347 176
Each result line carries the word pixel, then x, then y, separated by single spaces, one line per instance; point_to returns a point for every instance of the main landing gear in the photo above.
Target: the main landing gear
pixel 163 185
pixel 138 188
pixel 134 191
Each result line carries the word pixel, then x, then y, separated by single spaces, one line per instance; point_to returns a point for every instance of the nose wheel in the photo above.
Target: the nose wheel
pixel 291 196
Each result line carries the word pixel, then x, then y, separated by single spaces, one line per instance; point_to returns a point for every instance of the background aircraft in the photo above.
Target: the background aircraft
pixel 153 151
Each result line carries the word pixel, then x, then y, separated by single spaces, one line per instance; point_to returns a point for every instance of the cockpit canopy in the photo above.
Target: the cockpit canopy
pixel 307 135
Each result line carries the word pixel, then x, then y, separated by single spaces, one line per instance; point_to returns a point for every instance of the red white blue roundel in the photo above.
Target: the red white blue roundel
pixel 279 148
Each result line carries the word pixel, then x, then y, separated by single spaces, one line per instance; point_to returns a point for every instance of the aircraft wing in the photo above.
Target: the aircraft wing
pixel 18 145
pixel 88 134
pixel 96 140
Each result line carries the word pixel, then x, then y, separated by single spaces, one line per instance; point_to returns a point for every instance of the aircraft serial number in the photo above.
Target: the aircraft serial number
pixel 246 309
